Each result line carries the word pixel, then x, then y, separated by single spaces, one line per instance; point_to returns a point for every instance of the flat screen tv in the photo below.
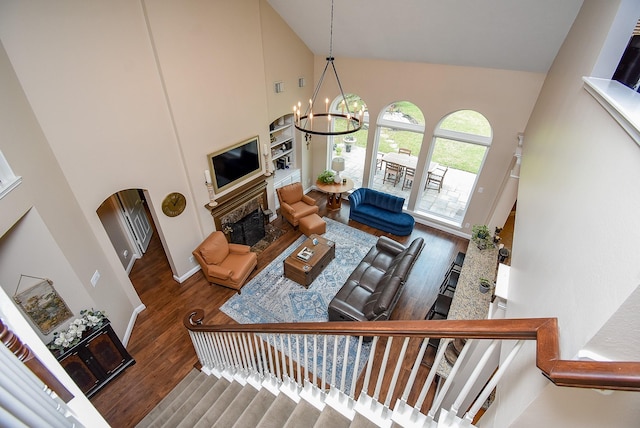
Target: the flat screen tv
pixel 235 164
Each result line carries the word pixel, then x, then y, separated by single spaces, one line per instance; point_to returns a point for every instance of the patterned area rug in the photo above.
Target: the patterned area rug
pixel 271 298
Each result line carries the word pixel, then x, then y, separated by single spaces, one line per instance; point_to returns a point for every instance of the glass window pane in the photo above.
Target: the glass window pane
pixel 467 121
pixel 404 112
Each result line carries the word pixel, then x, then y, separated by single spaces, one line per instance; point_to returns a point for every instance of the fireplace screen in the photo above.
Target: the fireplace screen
pixel 249 230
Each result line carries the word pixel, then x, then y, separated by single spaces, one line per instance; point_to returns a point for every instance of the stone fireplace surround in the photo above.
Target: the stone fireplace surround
pixel 237 206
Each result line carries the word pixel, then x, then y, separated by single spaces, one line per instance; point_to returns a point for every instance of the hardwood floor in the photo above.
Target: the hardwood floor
pixel 161 345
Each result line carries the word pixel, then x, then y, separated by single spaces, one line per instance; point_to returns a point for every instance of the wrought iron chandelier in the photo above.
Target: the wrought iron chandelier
pixel 314 122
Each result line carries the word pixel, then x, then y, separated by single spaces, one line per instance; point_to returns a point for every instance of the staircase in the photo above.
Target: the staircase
pixel 200 400
pixel 289 375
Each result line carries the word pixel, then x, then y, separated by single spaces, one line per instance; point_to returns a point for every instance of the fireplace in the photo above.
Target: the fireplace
pixel 249 230
pixel 240 213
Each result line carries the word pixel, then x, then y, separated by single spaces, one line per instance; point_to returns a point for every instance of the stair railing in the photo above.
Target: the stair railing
pixel 322 362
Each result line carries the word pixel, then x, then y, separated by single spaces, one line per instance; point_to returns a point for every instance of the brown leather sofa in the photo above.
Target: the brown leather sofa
pixel 374 287
pixel 225 263
pixel 294 204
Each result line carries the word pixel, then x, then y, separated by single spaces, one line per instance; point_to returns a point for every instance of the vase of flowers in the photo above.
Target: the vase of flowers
pixel 89 319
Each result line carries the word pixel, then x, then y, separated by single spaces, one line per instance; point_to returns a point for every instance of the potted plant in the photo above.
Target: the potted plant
pixel 348 141
pixel 326 177
pixel 485 285
pixel 481 236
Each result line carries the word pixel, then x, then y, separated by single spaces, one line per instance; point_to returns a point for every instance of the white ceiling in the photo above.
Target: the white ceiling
pixel 508 34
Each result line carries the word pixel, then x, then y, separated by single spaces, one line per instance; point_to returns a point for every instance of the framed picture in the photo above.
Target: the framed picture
pixel 44 306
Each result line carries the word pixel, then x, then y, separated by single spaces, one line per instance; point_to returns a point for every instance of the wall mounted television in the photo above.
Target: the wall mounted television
pixel 235 164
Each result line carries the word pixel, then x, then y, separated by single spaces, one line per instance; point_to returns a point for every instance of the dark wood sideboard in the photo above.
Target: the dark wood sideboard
pixel 96 359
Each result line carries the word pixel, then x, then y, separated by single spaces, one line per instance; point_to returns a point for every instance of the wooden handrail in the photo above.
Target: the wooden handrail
pixel 573 373
pixel 26 355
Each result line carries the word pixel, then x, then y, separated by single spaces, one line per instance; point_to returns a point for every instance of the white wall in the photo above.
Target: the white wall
pixel 72 253
pixel 575 247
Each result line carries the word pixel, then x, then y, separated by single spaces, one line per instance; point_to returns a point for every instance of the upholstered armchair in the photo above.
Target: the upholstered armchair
pixel 294 204
pixel 225 263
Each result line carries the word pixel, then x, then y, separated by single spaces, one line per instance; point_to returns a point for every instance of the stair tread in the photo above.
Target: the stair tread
pixel 224 400
pixel 191 377
pixel 303 416
pixel 256 409
pixel 359 421
pixel 330 417
pixel 236 407
pixel 278 413
pixel 205 403
pixel 190 403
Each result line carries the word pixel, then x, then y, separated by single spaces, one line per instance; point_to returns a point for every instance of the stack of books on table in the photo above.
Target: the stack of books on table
pixel 305 254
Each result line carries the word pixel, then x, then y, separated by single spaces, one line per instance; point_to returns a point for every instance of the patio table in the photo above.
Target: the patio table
pixel 405 160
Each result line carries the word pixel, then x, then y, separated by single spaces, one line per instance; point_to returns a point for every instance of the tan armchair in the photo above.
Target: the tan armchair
pixel 294 204
pixel 224 263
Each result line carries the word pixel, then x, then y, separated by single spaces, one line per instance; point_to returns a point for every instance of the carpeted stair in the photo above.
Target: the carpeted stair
pixel 206 401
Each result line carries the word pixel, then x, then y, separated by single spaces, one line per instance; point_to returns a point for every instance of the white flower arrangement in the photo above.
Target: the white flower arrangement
pixel 72 335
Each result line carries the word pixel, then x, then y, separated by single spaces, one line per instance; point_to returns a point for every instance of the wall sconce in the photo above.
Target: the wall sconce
pixel 515 171
pixel 300 82
pixel 279 87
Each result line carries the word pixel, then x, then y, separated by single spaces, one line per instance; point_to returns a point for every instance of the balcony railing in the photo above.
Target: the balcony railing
pixel 394 383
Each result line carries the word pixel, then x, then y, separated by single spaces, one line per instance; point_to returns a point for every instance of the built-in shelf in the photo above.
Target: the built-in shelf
pixel 282 143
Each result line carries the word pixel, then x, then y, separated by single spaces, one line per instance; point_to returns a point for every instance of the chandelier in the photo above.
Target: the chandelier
pixel 320 123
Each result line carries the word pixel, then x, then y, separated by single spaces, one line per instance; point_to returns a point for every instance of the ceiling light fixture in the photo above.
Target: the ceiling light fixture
pixel 314 123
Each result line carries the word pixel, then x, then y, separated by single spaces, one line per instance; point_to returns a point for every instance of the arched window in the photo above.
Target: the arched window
pixel 351 147
pixel 460 144
pixel 399 135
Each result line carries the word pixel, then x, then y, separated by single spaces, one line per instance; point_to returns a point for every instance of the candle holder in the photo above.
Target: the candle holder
pixel 212 202
pixel 267 173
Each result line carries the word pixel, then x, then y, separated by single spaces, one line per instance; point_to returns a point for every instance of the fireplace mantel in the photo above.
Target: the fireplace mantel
pixel 255 189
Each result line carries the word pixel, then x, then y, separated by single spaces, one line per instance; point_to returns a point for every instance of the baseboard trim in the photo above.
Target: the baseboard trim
pixel 183 278
pixel 439 226
pixel 132 322
pixel 132 260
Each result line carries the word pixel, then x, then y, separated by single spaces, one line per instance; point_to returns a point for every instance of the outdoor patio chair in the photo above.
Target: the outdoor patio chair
pixel 392 172
pixel 405 151
pixel 379 161
pixel 409 173
pixel 436 177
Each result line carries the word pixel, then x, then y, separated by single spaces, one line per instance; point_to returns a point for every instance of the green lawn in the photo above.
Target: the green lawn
pixel 457 155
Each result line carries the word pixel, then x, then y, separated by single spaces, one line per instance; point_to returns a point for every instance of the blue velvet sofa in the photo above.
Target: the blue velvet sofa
pixel 380 210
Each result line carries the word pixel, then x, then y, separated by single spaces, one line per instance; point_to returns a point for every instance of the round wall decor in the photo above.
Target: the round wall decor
pixel 173 204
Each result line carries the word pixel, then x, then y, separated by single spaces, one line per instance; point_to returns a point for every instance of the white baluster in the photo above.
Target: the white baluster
pixel 356 369
pixel 396 372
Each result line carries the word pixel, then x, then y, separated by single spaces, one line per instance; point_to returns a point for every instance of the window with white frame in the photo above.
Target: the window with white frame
pixel 8 180
pixel 460 145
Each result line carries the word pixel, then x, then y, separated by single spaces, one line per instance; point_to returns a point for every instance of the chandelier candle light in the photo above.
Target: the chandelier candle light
pixel 305 123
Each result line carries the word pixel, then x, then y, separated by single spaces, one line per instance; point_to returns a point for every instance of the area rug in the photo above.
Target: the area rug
pixel 271 298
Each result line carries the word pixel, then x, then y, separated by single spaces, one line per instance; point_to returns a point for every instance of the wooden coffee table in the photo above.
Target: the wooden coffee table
pixel 304 272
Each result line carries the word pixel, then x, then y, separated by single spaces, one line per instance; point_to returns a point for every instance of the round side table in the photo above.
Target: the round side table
pixel 334 192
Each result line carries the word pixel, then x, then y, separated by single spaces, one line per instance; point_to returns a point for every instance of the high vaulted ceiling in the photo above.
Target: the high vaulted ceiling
pixel 508 34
